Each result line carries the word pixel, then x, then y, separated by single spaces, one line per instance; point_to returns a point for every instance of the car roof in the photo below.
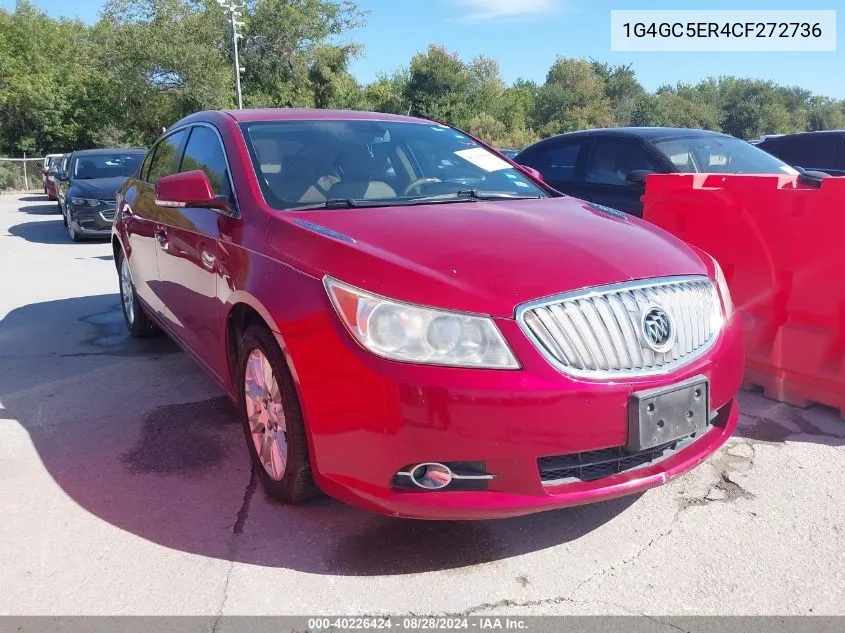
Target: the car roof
pixel 651 134
pixel 251 115
pixel 110 150
pixel 780 137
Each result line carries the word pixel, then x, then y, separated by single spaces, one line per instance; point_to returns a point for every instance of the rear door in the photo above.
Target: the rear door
pixel 189 253
pixel 143 217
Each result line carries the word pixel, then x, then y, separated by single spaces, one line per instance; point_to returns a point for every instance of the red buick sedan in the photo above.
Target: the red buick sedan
pixel 415 325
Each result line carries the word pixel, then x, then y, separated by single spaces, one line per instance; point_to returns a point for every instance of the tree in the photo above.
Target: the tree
pixel 286 49
pixel 626 94
pixel 39 99
pixel 439 87
pixel 387 93
pixel 572 98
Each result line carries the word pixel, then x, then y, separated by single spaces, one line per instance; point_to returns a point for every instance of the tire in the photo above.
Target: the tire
pixel 137 321
pixel 59 207
pixel 296 484
pixel 71 231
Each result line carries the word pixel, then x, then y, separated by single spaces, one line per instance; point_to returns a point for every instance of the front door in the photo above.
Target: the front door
pixel 189 253
pixel 143 216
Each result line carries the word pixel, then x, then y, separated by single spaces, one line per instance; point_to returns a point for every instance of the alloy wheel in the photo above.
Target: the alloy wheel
pixel 266 415
pixel 127 294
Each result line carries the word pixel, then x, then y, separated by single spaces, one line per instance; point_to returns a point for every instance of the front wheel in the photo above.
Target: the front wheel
pixel 272 419
pixel 137 321
pixel 73 234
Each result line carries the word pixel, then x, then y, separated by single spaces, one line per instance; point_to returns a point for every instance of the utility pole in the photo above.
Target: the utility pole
pixel 234 8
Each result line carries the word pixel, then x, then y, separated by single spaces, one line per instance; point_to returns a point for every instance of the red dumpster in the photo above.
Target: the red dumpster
pixel 781 245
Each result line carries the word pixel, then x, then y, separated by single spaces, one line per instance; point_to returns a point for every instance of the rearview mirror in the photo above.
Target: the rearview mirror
pixel 637 177
pixel 189 189
pixel 532 172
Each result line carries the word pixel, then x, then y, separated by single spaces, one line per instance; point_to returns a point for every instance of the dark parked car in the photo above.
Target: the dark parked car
pixel 61 185
pixel 411 324
pixel 813 151
pixel 608 166
pixel 89 184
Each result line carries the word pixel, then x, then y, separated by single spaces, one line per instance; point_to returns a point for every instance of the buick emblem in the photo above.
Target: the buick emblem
pixel 658 329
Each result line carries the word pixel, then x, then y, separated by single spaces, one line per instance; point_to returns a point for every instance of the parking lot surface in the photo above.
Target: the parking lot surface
pixel 125 488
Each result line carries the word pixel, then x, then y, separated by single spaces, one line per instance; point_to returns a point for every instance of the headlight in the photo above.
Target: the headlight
pixel 724 291
pixel 405 332
pixel 85 202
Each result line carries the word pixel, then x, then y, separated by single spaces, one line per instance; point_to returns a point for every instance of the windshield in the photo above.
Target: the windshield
pixel 721 155
pixel 93 166
pixel 54 162
pixel 305 163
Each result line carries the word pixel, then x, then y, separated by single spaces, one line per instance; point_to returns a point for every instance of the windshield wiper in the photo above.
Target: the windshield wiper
pixel 331 203
pixel 474 194
pixel 493 195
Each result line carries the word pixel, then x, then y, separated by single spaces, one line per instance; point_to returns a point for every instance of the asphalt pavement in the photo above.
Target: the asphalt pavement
pixel 125 488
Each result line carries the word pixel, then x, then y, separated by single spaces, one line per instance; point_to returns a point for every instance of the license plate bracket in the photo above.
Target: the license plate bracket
pixel 665 414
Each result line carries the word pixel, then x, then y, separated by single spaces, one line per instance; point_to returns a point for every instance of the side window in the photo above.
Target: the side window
pixel 557 162
pixel 807 150
pixel 839 159
pixel 165 157
pixel 205 152
pixel 145 166
pixel 614 158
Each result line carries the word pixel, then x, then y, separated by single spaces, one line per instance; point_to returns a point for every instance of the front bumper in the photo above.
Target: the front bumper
pixel 368 418
pixel 92 221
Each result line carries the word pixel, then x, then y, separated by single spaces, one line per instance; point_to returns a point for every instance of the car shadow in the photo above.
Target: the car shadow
pixel 46 208
pixel 769 421
pixel 133 432
pixel 38 198
pixel 44 232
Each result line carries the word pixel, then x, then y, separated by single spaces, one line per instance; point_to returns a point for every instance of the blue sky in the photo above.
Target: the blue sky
pixel 526 36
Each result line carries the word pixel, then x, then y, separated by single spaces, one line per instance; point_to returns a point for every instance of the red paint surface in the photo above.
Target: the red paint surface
pixel 780 246
pixel 368 417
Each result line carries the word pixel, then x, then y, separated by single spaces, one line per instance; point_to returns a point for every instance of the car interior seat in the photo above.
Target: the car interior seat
pixel 359 172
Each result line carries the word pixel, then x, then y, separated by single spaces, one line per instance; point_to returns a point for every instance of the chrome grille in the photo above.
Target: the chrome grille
pixel 598 332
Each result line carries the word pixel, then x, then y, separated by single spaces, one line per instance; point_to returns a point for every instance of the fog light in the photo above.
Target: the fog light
pixel 431 476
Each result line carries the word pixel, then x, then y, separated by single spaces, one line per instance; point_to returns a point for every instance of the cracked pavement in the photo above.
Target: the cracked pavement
pixel 125 488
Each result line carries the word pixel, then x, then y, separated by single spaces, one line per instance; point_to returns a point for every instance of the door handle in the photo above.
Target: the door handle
pixel 161 238
pixel 208 260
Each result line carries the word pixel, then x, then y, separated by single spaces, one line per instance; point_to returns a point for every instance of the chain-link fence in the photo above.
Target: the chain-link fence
pixel 21 174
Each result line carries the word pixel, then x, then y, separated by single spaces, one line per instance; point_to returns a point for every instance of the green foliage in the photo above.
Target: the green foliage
pixel 147 63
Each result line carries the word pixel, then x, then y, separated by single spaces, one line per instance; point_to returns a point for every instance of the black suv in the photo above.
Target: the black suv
pixel 815 151
pixel 609 166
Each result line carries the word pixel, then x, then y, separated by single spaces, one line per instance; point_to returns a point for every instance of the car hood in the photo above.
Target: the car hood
pixel 102 188
pixel 486 257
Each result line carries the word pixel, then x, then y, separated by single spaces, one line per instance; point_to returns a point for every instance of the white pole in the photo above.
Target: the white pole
pixel 237 63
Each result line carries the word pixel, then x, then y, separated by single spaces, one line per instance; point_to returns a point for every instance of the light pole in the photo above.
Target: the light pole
pixel 234 8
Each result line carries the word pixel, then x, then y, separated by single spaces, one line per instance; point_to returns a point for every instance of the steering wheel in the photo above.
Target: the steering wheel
pixel 416 183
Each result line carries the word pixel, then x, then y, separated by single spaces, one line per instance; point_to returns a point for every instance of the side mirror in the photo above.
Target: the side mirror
pixel 189 189
pixel 637 177
pixel 532 172
pixel 811 178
